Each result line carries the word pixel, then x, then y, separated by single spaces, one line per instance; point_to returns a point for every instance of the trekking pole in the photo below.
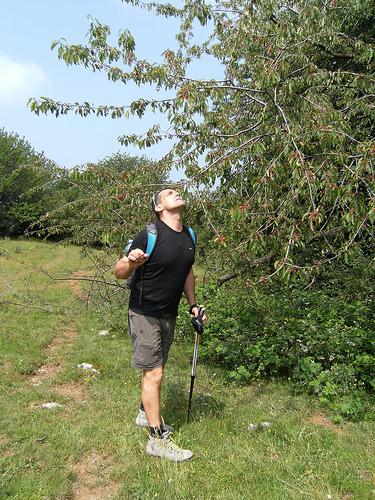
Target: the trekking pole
pixel 197 323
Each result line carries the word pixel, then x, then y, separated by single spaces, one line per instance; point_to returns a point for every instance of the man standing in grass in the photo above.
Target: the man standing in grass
pixel 157 287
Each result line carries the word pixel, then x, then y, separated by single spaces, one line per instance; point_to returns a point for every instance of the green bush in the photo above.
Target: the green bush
pixel 27 183
pixel 321 338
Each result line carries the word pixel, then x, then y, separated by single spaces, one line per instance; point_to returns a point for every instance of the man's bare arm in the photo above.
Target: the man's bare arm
pixel 189 291
pixel 189 288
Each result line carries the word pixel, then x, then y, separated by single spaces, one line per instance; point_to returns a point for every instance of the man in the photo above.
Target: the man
pixel 156 291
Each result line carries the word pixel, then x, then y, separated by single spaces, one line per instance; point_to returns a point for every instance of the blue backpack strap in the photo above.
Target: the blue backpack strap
pixel 152 235
pixel 192 235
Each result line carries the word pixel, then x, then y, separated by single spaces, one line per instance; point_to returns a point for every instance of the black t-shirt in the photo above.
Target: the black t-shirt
pixel 159 283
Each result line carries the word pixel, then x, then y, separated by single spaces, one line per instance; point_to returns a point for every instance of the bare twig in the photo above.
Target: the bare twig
pixel 29 306
pixel 284 260
pixel 228 153
pixel 238 89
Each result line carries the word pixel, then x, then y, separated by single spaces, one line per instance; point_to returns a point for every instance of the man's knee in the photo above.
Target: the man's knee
pixel 154 375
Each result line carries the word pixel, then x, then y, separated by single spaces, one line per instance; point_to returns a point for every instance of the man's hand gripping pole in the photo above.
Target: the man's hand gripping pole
pixel 197 322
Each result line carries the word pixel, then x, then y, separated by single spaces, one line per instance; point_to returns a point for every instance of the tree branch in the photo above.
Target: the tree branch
pixel 254 263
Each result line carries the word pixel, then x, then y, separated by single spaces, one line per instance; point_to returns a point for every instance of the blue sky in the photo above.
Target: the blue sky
pixel 28 68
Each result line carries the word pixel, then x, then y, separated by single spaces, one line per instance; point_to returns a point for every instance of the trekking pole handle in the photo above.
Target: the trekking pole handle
pixel 201 313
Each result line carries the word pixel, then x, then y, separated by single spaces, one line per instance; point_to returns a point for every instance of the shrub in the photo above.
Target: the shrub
pixel 322 338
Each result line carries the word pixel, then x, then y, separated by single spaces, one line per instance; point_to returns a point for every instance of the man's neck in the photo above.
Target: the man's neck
pixel 173 220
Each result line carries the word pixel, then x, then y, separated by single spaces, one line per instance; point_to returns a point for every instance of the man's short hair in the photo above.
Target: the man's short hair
pixel 155 200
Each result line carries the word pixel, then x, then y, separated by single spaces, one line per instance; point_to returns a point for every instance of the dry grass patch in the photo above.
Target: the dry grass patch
pixel 44 372
pixel 323 421
pixel 93 481
pixel 73 391
pixel 6 366
pixel 6 450
pixel 65 339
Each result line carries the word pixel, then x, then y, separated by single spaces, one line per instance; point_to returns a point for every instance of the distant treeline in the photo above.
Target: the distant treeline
pixel 39 198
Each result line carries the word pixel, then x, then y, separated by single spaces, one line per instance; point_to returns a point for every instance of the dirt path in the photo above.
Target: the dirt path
pixel 75 287
pixel 52 366
pixel 92 471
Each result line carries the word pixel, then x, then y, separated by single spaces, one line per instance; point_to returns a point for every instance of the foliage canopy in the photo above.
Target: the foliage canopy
pixel 281 149
pixel 103 202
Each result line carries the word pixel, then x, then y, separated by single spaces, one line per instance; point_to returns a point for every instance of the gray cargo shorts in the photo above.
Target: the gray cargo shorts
pixel 151 340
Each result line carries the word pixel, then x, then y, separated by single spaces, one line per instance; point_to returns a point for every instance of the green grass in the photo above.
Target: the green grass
pixel 42 451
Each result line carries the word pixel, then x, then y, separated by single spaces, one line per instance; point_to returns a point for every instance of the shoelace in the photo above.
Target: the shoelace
pixel 173 446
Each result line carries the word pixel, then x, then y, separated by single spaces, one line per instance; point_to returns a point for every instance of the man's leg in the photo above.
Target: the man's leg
pixel 150 345
pixel 159 444
pixel 151 383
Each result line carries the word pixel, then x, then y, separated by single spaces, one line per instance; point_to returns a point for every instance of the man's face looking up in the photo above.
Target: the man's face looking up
pixel 170 200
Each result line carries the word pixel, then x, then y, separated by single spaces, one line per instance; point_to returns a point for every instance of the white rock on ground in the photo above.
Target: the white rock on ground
pixel 103 333
pixel 88 366
pixel 51 405
pixel 260 426
pixel 252 427
pixel 265 425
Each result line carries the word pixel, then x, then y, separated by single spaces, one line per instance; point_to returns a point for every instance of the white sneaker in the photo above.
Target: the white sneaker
pixel 141 421
pixel 165 448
